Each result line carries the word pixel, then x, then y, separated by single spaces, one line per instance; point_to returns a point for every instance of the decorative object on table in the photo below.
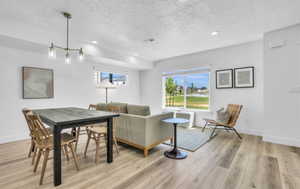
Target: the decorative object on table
pixel 37 83
pixel 244 77
pixel 67 49
pixel 234 111
pixel 106 85
pixel 175 153
pixel 224 79
pixel 191 139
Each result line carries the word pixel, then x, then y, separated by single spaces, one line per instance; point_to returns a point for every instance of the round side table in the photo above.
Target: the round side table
pixel 175 153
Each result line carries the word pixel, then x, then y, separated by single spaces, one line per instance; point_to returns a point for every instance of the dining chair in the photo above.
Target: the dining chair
pixel 234 111
pixel 43 141
pixel 32 148
pixel 82 130
pixel 98 131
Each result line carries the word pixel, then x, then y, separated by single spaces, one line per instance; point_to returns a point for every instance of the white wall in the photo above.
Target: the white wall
pixel 73 86
pixel 248 54
pixel 282 86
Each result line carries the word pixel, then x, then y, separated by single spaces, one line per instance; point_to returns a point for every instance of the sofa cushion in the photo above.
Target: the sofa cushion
pixel 122 106
pixel 101 107
pixel 138 110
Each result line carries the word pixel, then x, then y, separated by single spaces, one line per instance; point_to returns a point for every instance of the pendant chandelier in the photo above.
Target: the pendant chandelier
pixel 68 50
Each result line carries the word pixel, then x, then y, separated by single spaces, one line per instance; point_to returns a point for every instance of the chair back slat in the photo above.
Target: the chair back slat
pixel 27 112
pixel 234 111
pixel 39 131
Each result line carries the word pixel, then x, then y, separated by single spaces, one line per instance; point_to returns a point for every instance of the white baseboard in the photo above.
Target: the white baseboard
pixel 12 138
pixel 250 132
pixel 282 140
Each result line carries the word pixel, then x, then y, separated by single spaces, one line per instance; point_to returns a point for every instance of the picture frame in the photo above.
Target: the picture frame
pixel 244 77
pixel 224 79
pixel 38 83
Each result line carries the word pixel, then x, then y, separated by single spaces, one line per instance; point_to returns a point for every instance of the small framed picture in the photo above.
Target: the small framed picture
pixel 244 77
pixel 224 79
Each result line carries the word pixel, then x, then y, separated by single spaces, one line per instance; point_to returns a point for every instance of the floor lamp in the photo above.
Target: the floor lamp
pixel 106 85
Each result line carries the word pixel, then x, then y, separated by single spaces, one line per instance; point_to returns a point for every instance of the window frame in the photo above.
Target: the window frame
pixel 164 76
pixel 98 81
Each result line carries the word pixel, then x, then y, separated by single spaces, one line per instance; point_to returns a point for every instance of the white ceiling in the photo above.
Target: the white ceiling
pixel 178 26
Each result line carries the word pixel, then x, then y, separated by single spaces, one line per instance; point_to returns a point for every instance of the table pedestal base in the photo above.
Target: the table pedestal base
pixel 175 154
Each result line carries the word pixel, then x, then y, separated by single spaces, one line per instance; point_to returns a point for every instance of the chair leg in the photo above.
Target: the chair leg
pixel 116 144
pixel 46 156
pixel 31 149
pixel 37 160
pixel 206 123
pixel 77 138
pixel 145 152
pixel 97 151
pixel 74 156
pixel 34 155
pixel 87 144
pixel 212 134
pixel 66 152
pixel 237 133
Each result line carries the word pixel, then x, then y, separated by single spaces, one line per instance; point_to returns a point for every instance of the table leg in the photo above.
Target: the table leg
pixel 109 144
pixel 56 156
pixel 175 153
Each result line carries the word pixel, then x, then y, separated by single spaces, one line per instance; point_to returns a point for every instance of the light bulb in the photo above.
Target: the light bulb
pixel 68 58
pixel 81 55
pixel 52 53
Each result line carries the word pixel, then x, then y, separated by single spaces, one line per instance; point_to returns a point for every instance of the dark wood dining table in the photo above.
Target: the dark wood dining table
pixel 71 117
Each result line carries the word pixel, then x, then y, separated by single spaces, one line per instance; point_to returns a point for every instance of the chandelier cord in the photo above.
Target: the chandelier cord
pixel 68 33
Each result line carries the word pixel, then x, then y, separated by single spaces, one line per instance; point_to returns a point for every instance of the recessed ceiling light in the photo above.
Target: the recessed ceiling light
pixel 215 33
pixel 94 42
pixel 135 54
pixel 132 59
pixel 149 40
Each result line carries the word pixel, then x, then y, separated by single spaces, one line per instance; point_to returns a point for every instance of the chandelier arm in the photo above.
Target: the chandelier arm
pixel 59 47
pixel 74 49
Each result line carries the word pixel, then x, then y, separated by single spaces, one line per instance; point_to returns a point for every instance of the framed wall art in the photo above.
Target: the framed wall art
pixel 224 79
pixel 37 83
pixel 244 77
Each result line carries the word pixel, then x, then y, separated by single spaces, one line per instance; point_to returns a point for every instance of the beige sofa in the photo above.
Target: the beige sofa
pixel 136 127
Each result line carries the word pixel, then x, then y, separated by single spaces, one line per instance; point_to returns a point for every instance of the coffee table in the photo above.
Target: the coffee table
pixel 175 153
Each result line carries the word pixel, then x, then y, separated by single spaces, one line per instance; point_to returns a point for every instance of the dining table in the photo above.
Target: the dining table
pixel 73 117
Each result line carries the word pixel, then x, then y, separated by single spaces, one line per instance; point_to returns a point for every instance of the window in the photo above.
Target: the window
pixel 114 78
pixel 186 90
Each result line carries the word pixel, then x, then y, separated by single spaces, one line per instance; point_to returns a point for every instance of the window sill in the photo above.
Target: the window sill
pixel 187 110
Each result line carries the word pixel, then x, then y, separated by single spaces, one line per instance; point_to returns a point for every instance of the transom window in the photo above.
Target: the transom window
pixel 114 78
pixel 188 90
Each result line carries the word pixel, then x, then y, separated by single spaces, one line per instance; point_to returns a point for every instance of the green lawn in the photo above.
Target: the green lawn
pixel 194 102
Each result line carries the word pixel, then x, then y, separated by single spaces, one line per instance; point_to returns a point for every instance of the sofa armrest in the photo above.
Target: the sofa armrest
pixel 156 130
pixel 131 128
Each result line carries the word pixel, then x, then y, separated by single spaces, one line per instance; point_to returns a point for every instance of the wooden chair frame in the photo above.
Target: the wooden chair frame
pixel 44 143
pixel 234 111
pixel 96 136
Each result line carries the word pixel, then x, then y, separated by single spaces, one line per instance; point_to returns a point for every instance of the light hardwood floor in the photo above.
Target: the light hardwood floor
pixel 224 163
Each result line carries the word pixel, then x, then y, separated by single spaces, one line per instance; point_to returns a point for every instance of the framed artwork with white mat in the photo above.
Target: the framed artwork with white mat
pixel 224 79
pixel 244 77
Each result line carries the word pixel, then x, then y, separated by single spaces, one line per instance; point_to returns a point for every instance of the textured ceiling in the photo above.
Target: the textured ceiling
pixel 178 26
